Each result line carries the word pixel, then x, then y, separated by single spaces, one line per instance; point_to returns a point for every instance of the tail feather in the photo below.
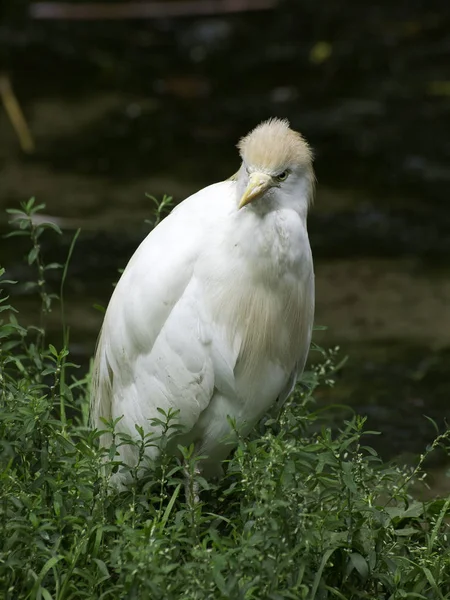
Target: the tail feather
pixel 101 391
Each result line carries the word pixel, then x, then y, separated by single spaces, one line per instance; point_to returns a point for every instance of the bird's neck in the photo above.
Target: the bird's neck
pixel 271 243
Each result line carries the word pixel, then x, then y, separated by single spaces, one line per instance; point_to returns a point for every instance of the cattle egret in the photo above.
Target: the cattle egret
pixel 213 314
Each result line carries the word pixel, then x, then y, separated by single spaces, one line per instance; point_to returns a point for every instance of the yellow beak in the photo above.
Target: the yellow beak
pixel 258 183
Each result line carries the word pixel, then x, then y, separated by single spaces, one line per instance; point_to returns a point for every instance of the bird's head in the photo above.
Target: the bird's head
pixel 276 168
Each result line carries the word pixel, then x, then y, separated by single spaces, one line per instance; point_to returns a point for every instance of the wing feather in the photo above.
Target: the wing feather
pixel 152 351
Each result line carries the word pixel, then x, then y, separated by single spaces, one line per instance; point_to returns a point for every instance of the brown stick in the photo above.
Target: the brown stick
pixel 15 114
pixel 144 10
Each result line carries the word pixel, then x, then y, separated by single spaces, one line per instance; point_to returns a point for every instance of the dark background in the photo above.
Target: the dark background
pixel 118 108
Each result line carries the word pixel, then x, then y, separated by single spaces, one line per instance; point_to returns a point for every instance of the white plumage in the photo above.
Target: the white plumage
pixel 213 313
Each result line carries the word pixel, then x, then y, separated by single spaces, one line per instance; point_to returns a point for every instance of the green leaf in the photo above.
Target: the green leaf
pixel 45 593
pixel 29 204
pixel 100 308
pixel 406 531
pixel 432 582
pixel 53 350
pixel 414 510
pixel 24 223
pixel 51 225
pixel 443 513
pixel 219 580
pixel 347 477
pixel 46 568
pixel 33 254
pixel 15 211
pixel 102 567
pixel 16 233
pixel 318 576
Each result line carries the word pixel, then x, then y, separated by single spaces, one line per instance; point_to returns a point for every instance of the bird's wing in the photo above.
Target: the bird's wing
pixel 153 351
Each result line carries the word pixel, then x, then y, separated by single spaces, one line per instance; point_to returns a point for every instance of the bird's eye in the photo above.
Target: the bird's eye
pixel 282 176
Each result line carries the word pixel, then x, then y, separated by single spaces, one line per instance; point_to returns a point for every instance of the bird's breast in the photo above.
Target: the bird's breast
pixel 255 282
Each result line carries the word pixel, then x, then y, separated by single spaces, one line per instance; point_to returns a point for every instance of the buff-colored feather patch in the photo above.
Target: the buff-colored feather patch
pixel 273 147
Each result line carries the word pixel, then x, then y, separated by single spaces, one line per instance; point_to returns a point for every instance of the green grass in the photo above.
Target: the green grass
pixel 301 513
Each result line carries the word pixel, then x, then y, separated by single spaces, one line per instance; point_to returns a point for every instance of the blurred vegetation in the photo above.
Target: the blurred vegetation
pixel 301 512
pixel 368 84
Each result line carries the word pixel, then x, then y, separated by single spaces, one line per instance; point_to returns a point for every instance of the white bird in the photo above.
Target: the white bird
pixel 213 314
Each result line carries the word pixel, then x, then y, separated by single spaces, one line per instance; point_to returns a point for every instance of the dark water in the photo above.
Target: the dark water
pixel 121 109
